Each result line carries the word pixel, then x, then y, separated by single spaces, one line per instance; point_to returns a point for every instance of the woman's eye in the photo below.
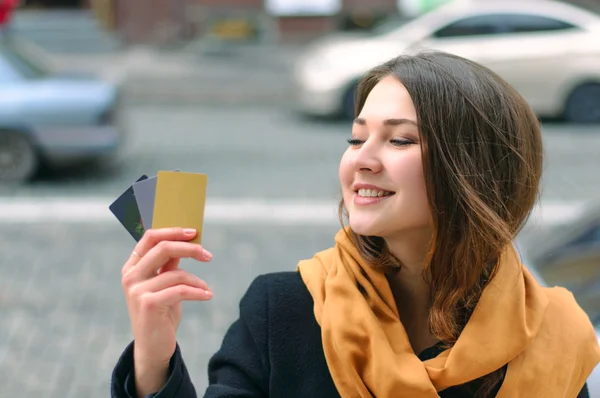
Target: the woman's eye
pixel 355 141
pixel 401 142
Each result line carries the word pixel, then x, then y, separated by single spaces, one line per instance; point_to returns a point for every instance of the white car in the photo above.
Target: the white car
pixel 548 50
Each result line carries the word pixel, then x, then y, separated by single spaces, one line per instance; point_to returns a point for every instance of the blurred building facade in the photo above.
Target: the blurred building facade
pixel 167 21
pixel 236 20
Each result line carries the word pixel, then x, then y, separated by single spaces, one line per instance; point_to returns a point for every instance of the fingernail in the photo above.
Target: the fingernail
pixel 189 231
pixel 207 254
pixel 209 294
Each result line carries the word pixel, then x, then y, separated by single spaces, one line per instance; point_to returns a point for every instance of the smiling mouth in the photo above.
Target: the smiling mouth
pixel 373 193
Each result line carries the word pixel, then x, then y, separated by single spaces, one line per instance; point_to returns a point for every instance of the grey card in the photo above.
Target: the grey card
pixel 144 192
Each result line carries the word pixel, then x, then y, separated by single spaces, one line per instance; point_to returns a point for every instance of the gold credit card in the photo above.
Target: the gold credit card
pixel 180 200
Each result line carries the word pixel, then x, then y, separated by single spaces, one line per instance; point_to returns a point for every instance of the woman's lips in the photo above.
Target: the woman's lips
pixel 371 199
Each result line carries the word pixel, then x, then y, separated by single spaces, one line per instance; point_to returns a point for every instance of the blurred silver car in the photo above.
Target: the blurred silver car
pixel 548 50
pixel 51 119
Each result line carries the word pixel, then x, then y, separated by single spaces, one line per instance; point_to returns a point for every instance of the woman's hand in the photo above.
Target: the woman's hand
pixel 154 289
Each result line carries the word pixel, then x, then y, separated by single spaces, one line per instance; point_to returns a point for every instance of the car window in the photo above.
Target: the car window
pixel 473 26
pixel 518 23
pixel 494 24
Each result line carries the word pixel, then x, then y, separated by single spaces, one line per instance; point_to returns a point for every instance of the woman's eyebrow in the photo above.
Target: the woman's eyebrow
pixel 387 122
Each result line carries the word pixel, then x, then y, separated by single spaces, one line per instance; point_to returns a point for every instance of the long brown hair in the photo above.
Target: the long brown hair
pixel 482 159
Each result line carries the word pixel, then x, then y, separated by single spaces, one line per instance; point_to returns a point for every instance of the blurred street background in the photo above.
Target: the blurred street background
pixel 258 95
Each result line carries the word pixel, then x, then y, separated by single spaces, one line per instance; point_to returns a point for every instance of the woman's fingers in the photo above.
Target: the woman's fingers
pixel 171 265
pixel 159 256
pixel 151 238
pixel 155 251
pixel 174 295
pixel 167 280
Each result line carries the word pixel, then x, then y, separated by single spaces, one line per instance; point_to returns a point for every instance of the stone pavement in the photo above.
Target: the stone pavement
pixel 64 318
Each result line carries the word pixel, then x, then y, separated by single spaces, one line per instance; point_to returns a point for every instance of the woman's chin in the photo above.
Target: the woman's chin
pixel 364 227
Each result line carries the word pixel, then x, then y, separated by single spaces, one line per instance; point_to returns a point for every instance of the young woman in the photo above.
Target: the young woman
pixel 422 294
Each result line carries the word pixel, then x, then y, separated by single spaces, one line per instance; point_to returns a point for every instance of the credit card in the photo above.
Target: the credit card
pixel 145 193
pixel 180 201
pixel 126 210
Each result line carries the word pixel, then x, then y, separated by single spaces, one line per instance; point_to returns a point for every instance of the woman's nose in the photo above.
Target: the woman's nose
pixel 367 159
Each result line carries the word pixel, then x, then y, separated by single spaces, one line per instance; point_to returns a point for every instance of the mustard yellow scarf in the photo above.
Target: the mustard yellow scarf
pixel 544 336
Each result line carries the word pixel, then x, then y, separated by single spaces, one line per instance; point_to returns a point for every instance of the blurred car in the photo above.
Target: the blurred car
pixel 51 120
pixel 568 255
pixel 548 50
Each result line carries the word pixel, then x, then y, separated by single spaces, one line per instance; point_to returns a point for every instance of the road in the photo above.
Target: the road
pixel 64 321
pixel 270 153
pixel 247 152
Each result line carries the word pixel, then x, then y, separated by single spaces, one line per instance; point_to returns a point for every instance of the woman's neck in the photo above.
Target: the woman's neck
pixel 411 292
pixel 411 251
pixel 412 297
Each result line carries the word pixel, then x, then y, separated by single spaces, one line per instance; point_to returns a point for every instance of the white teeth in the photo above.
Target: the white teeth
pixel 372 193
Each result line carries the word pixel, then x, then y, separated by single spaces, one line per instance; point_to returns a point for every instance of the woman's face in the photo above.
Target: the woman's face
pixel 381 172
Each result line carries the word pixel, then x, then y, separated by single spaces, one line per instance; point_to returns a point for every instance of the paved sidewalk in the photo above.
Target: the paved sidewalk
pixel 198 73
pixel 64 318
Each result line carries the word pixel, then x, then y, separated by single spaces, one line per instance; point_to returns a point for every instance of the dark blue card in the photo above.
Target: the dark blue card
pixel 126 210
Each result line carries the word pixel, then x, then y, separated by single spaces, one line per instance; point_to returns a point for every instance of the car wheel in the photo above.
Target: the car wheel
pixel 348 103
pixel 583 105
pixel 18 158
